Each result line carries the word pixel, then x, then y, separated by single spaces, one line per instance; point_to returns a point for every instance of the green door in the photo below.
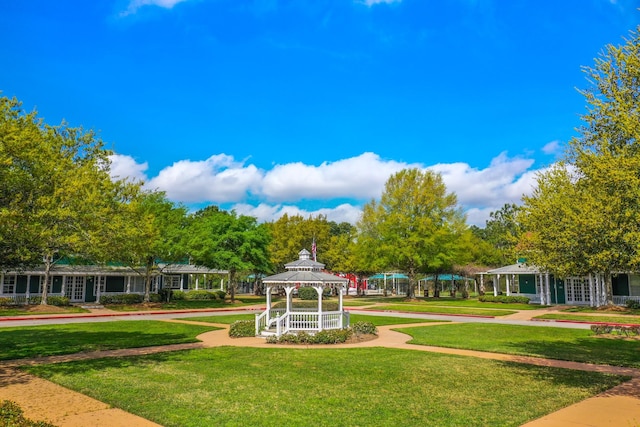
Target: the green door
pixel 89 294
pixel 557 291
pixel 527 283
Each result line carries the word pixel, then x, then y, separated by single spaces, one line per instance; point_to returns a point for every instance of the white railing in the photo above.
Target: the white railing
pixel 622 300
pixel 295 321
pixel 22 299
pixel 267 318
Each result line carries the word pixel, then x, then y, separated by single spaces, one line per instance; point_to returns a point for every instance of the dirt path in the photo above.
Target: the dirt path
pixel 43 400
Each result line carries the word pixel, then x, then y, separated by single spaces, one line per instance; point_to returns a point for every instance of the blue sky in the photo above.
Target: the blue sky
pixel 273 106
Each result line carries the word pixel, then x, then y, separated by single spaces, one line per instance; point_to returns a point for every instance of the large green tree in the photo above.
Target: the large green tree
pixel 224 240
pixel 153 235
pixel 584 216
pixel 415 227
pixel 292 233
pixel 56 196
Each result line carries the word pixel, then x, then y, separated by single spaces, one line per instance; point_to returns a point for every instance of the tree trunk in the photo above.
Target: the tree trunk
pixel 48 260
pixel 147 280
pixel 608 283
pixel 436 289
pixel 232 285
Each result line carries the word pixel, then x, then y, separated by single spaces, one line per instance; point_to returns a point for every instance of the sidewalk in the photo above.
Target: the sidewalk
pixel 619 406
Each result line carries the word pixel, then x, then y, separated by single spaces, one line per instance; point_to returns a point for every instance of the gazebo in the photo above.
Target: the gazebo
pixel 303 272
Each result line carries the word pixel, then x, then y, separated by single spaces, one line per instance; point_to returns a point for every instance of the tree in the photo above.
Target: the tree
pixel 154 236
pixel 583 217
pixel 503 231
pixel 414 227
pixel 56 196
pixel 224 240
pixel 290 234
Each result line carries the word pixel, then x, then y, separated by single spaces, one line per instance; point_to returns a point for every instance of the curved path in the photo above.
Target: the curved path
pixel 619 406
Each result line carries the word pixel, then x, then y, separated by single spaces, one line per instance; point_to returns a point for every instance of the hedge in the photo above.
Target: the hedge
pixel 121 299
pixel 242 328
pixel 309 293
pixel 510 299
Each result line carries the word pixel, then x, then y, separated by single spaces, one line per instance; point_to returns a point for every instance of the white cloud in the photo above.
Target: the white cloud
pixel 126 167
pixel 134 5
pixel 360 177
pixel 287 188
pixel 264 212
pixel 374 2
pixel 552 147
pixel 218 179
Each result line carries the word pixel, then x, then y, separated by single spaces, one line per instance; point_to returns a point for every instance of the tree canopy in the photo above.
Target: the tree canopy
pixel 414 228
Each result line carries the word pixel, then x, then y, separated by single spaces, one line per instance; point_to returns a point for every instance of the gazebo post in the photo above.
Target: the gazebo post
pixel 340 289
pixel 496 285
pixel 268 304
pixel 319 292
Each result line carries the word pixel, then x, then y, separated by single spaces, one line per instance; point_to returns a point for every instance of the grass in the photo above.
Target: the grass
pixel 366 387
pixel 34 341
pixel 181 305
pixel 27 310
pixel 579 345
pixel 425 308
pixel 376 320
pixel 625 320
pixel 616 311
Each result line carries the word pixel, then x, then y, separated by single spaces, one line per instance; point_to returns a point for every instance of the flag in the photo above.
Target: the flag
pixel 313 249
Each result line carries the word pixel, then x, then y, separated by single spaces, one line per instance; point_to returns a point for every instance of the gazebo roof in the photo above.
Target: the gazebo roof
pixel 305 271
pixel 305 277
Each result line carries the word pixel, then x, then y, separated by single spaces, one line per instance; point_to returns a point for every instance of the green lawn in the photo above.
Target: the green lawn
pixel 233 386
pixel 24 311
pixel 577 345
pixel 184 305
pixel 626 320
pixel 33 341
pixel 427 308
pixel 376 320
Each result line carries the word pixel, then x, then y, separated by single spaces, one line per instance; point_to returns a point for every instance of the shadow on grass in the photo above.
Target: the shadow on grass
pixel 34 342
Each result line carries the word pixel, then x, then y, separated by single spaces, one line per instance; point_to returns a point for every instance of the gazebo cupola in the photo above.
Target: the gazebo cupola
pixel 302 272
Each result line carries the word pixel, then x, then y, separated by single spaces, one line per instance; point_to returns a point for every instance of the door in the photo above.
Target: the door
pixel 74 288
pixel 558 292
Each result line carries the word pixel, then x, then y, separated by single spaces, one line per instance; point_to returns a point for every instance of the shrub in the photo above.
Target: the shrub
pixel 511 299
pixel 221 294
pixel 307 293
pixel 11 415
pixel 200 295
pixel 242 328
pixel 156 297
pixel 34 300
pixel 327 336
pixel 5 302
pixel 121 299
pixel 364 328
pixel 633 304
pixel 58 301
pixel 177 295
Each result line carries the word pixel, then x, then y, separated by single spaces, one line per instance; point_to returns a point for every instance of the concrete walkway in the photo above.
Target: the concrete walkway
pixel 619 406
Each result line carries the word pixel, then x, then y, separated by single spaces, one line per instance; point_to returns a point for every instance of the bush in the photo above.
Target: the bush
pixel 58 301
pixel 242 328
pixel 511 299
pixel 121 299
pixel 633 304
pixel 34 300
pixel 327 336
pixel 176 295
pixel 200 295
pixel 11 415
pixel 156 297
pixel 221 294
pixel 364 328
pixel 5 302
pixel 307 293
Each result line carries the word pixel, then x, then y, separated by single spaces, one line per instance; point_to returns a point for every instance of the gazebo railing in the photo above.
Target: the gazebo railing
pixel 299 320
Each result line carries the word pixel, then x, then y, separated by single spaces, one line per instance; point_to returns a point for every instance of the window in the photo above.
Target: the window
pixel 48 284
pixel 137 284
pixel 9 284
pixel 172 282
